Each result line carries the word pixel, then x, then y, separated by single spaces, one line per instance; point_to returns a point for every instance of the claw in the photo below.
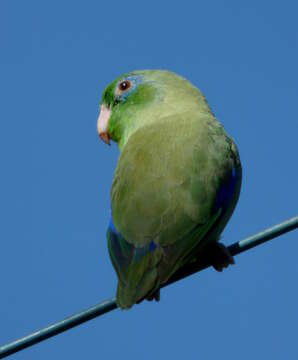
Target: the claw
pixel 219 256
pixel 154 296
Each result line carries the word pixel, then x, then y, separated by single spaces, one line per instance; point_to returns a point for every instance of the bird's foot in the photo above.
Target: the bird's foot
pixel 154 296
pixel 219 256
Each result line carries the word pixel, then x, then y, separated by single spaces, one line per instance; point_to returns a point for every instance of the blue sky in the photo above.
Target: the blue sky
pixel 55 60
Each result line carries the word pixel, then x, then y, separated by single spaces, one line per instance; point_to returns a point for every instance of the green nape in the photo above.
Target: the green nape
pixel 156 95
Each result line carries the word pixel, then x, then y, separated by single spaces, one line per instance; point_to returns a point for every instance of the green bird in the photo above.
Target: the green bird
pixel 176 184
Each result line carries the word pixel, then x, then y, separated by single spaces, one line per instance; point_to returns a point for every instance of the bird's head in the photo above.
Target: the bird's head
pixel 122 102
pixel 140 98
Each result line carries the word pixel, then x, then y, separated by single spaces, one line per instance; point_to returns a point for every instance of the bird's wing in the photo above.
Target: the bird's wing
pixel 165 198
pixel 140 269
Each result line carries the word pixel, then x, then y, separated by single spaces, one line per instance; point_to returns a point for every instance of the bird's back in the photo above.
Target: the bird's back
pixel 168 176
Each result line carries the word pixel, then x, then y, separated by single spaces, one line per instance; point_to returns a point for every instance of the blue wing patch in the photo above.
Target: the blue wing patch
pixel 226 191
pixel 122 253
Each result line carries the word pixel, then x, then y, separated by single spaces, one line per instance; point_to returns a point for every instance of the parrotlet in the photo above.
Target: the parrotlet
pixel 176 183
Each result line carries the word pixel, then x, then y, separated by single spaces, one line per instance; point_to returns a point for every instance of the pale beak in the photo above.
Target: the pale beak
pixel 102 124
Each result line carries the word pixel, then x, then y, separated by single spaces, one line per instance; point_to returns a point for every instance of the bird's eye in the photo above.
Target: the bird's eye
pixel 124 85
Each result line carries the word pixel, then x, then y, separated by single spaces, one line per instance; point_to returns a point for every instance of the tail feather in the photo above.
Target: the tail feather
pixel 141 281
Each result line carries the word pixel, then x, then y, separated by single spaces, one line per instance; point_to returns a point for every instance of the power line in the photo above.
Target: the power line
pixel 109 305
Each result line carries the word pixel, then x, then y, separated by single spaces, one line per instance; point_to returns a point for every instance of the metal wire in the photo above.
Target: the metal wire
pixel 109 305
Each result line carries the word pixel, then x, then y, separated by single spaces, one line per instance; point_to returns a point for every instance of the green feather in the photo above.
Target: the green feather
pixel 174 158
